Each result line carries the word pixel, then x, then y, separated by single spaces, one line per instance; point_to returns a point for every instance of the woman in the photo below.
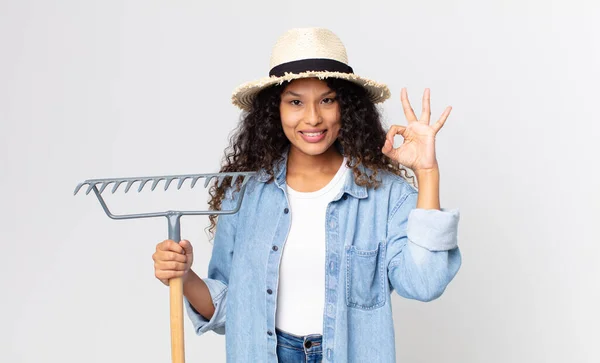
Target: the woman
pixel 329 227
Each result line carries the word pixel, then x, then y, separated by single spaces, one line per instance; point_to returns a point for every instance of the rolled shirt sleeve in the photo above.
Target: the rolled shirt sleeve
pixel 218 293
pixel 435 230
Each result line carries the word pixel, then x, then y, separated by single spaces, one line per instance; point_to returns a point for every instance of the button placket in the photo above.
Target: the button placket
pixel 273 266
pixel 332 240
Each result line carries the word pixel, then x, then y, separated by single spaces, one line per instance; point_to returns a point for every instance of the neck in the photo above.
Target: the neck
pixel 301 163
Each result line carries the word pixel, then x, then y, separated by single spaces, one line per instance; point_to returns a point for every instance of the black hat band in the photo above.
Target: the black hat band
pixel 313 64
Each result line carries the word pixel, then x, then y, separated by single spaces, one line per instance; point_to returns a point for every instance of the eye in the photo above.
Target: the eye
pixel 295 102
pixel 329 100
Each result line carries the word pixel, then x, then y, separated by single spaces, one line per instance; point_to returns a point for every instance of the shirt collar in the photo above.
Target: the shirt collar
pixel 350 187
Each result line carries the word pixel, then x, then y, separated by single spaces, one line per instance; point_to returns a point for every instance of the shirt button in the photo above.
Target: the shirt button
pixel 269 291
pixel 332 224
pixel 269 333
pixel 331 266
pixel 345 197
pixel 330 309
pixel 275 248
pixel 286 211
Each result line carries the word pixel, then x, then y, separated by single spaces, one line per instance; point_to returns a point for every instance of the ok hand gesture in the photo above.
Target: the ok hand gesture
pixel 417 151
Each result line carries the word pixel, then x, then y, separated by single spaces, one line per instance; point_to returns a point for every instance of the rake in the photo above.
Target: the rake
pixel 173 217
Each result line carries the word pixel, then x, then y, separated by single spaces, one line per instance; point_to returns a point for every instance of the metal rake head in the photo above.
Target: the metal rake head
pixel 99 185
pixel 156 179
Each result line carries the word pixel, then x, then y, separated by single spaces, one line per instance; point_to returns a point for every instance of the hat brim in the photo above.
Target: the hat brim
pixel 244 94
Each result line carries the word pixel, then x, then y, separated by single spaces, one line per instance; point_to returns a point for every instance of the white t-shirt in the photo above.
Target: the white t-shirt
pixel 301 294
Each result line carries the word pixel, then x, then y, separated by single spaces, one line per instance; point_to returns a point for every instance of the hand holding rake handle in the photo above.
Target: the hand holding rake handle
pixel 173 217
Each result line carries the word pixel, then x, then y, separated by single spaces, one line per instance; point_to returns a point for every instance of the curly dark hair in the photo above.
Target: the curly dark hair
pixel 259 142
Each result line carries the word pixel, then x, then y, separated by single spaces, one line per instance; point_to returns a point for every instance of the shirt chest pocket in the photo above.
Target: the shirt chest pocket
pixel 365 277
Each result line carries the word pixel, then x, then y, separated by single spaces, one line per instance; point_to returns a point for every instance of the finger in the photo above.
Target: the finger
pixel 408 111
pixel 170 245
pixel 438 125
pixel 393 131
pixel 169 256
pixel 167 275
pixel 170 266
pixel 389 136
pixel 388 149
pixel 426 110
pixel 391 153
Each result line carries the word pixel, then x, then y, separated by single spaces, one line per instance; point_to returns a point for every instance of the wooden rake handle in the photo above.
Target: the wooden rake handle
pixel 176 302
pixel 176 297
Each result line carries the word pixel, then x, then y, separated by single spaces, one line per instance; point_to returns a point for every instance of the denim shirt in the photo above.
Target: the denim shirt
pixel 377 242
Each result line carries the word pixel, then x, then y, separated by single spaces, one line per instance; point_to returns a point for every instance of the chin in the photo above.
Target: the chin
pixel 314 149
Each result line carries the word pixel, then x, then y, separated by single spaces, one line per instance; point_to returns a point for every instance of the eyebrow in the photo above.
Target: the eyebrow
pixel 298 95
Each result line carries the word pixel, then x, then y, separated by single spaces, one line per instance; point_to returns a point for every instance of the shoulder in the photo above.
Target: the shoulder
pixel 256 188
pixel 400 195
pixel 391 183
pixel 233 192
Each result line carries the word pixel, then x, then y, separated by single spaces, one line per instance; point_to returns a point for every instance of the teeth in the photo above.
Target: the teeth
pixel 313 134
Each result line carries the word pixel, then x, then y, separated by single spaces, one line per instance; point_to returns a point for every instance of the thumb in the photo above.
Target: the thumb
pixel 187 246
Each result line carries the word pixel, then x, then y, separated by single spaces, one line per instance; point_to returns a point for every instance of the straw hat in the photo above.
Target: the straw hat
pixel 303 53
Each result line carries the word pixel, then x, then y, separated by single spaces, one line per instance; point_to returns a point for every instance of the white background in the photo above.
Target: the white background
pixel 138 88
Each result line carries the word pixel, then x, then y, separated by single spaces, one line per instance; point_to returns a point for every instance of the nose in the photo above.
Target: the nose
pixel 313 115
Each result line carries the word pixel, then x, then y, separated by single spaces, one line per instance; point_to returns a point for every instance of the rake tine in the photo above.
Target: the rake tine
pixel 89 189
pixel 104 185
pixel 245 179
pixel 181 180
pixel 233 179
pixel 117 184
pixel 142 184
pixel 78 187
pixel 220 180
pixel 168 183
pixel 208 179
pixel 129 184
pixel 194 181
pixel 155 183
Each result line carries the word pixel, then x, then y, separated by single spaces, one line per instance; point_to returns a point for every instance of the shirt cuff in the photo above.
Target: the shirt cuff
pixel 435 230
pixel 218 293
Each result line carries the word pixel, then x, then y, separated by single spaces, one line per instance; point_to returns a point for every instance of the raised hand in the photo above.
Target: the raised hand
pixel 417 151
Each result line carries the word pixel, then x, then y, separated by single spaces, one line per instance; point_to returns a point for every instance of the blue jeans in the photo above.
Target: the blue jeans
pixel 299 349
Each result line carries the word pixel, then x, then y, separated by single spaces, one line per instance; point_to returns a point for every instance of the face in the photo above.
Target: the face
pixel 310 115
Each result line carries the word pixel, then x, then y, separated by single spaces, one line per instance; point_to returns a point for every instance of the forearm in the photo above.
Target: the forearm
pixel 197 293
pixel 428 182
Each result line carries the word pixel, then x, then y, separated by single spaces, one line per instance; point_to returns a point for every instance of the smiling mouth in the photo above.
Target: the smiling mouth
pixel 313 134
